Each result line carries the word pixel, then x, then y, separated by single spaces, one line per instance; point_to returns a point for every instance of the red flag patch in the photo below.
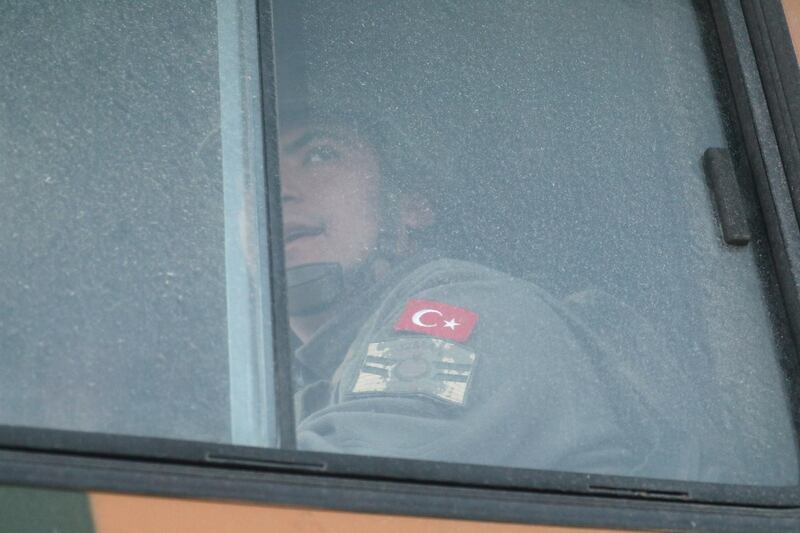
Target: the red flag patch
pixel 437 319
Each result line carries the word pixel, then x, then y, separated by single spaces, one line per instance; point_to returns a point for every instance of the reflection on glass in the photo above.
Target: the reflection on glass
pixel 501 247
pixel 129 210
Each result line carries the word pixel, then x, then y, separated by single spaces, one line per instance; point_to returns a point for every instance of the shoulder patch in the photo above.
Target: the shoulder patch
pixel 416 366
pixel 437 319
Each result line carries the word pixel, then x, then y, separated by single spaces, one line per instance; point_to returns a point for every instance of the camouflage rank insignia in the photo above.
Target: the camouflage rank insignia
pixel 416 366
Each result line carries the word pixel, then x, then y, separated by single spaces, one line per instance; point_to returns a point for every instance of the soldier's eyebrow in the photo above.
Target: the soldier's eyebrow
pixel 307 138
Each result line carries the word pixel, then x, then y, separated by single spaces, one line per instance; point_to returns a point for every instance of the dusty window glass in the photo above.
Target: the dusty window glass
pixel 131 294
pixel 502 248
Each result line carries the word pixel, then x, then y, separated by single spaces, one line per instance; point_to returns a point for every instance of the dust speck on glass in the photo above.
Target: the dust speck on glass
pixel 501 245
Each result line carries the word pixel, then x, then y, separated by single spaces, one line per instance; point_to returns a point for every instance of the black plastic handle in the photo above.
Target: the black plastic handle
pixel 727 196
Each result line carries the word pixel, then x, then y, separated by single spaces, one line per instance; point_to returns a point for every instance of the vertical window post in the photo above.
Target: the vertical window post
pixel 246 267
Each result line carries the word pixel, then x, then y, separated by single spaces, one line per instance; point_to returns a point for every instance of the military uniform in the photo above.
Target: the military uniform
pixel 527 387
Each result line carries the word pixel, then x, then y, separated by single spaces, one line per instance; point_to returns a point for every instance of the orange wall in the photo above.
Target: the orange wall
pixel 792 9
pixel 114 513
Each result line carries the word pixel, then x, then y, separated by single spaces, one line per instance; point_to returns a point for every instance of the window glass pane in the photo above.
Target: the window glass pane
pixel 502 248
pixel 131 294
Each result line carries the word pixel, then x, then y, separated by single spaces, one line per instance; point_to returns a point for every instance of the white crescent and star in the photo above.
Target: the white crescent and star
pixel 451 324
pixel 418 316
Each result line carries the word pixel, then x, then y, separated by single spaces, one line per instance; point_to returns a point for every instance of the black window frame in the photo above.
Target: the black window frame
pixel 765 84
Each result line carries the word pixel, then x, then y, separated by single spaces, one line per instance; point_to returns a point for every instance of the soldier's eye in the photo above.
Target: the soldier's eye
pixel 321 154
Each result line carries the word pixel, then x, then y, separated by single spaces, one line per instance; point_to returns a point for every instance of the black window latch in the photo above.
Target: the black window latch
pixel 727 196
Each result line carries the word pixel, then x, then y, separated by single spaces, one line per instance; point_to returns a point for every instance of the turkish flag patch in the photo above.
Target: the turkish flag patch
pixel 437 319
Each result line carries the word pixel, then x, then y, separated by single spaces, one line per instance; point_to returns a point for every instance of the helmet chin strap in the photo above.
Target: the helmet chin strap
pixel 312 288
pixel 315 287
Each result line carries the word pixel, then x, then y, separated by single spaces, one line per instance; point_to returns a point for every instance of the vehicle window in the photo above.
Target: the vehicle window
pixel 506 234
pixel 131 295
pixel 502 247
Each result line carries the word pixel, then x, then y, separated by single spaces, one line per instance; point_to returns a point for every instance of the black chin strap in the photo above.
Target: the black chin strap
pixel 313 287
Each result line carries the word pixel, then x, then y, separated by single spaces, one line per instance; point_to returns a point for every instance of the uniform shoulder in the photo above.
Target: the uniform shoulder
pixel 472 286
pixel 445 271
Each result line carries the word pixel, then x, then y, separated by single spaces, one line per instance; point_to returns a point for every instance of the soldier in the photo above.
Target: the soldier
pixel 402 353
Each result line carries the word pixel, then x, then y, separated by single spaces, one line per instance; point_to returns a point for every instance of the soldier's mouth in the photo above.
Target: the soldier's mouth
pixel 295 233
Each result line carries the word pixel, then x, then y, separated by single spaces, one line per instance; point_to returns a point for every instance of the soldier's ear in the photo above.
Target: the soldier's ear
pixel 416 211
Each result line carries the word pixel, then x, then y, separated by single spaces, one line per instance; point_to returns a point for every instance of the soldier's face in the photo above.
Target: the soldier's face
pixel 330 182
